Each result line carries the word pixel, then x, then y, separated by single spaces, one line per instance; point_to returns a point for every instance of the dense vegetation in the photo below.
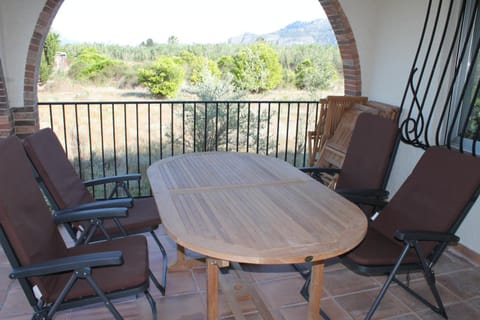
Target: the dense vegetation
pixel 164 69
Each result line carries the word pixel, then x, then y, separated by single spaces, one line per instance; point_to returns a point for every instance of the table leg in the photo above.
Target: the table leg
pixel 212 286
pixel 315 291
pixel 182 263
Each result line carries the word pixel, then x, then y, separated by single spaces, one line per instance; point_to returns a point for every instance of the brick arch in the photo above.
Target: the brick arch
pixel 6 127
pixel 26 119
pixel 347 45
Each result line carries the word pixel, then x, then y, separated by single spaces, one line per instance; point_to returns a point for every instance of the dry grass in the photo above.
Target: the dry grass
pixel 119 138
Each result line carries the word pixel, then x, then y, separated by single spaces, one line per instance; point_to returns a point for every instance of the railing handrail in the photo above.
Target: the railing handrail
pixel 111 137
pixel 173 101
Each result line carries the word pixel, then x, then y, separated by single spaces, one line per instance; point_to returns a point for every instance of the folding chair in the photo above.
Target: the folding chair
pixel 416 226
pixel 52 276
pixel 340 120
pixel 368 160
pixel 365 170
pixel 66 190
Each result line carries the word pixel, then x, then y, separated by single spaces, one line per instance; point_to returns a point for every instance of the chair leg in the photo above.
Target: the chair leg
pixel 430 278
pixel 106 301
pixel 387 283
pixel 163 285
pixel 152 303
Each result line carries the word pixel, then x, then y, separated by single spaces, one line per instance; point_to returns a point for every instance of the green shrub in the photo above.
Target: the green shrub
pixel 195 66
pixel 94 66
pixel 256 68
pixel 163 77
pixel 312 75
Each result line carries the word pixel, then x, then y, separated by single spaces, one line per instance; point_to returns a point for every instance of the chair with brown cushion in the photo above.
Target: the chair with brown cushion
pixel 416 226
pixel 367 162
pixel 66 190
pixel 53 276
pixel 418 223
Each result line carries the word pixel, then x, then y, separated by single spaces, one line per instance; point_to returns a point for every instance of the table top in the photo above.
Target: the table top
pixel 251 208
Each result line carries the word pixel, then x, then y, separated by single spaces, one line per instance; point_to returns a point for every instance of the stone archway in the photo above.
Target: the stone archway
pixel 26 119
pixel 347 45
pixel 6 127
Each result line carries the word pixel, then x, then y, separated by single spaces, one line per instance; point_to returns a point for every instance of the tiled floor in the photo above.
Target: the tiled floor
pixel 346 295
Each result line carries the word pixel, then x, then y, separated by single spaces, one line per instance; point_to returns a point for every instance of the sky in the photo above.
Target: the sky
pixel 129 22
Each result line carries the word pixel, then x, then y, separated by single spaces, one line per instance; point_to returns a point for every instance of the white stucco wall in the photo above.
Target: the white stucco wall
pixel 387 34
pixel 17 22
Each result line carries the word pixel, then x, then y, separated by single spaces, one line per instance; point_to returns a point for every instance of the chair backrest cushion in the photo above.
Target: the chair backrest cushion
pixel 59 176
pixel 24 215
pixel 368 155
pixel 434 195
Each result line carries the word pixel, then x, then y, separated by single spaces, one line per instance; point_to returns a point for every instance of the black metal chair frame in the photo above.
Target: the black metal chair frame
pixel 411 239
pixel 80 267
pixel 87 235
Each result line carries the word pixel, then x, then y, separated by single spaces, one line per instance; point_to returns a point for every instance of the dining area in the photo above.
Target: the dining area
pixel 248 208
pixel 249 236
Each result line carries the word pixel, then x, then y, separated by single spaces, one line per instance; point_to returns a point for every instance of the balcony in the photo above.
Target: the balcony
pixel 103 138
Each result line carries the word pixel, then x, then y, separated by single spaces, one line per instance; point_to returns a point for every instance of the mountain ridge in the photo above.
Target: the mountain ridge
pixel 298 32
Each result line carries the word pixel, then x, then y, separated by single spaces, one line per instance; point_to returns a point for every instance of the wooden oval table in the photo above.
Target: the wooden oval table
pixel 249 208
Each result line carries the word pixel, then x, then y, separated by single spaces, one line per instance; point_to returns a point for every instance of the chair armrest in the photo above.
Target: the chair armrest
pixel 109 203
pixel 105 180
pixel 366 200
pixel 90 260
pixel 82 215
pixel 372 193
pixel 406 235
pixel 319 170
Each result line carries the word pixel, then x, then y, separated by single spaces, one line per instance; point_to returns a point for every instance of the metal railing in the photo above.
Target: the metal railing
pixel 116 137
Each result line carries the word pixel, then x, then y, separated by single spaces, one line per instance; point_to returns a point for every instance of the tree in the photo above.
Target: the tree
pixel 47 62
pixel 92 65
pixel 172 40
pixel 256 68
pixel 195 66
pixel 163 77
pixel 216 125
pixel 313 75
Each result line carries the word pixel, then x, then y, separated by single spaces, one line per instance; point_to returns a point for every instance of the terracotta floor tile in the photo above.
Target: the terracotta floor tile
pixel 450 261
pixel 475 303
pixel 461 311
pixel 5 282
pixel 465 284
pixel 179 282
pixel 421 287
pixel 254 316
pixel 358 304
pixel 181 307
pixel 343 281
pixel 405 317
pixel 282 292
pixel 16 303
pixel 328 305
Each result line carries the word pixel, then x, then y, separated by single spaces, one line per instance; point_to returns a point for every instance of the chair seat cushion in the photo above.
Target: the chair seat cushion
pixel 132 273
pixel 378 250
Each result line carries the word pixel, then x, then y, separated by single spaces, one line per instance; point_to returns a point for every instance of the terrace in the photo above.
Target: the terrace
pixel 346 295
pixel 377 45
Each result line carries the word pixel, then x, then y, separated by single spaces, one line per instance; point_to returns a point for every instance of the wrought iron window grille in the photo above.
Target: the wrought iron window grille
pixel 440 99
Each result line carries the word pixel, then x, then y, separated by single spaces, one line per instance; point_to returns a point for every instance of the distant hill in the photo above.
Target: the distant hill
pixel 316 31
